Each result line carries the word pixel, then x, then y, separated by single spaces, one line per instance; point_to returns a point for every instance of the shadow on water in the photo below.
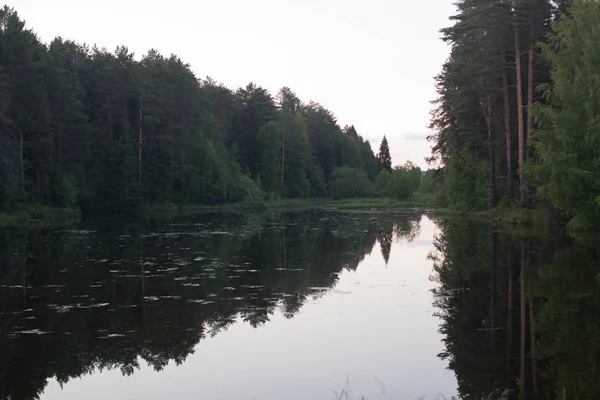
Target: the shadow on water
pixel 110 294
pixel 520 313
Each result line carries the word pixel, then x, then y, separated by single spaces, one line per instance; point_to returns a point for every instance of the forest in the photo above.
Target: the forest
pixel 82 127
pixel 516 119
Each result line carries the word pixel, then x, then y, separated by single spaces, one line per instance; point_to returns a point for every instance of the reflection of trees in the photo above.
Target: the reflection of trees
pixel 385 242
pixel 400 227
pixel 520 314
pixel 112 296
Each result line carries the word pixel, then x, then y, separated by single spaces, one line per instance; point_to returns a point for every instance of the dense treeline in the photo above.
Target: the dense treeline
pixel 81 126
pixel 516 119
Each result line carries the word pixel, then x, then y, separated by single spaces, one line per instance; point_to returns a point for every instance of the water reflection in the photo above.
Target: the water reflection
pixel 95 297
pixel 520 311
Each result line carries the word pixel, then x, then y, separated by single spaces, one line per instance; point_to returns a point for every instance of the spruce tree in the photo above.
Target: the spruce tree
pixel 384 157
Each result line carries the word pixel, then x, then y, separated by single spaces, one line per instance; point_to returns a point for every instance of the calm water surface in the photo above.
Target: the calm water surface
pixel 304 305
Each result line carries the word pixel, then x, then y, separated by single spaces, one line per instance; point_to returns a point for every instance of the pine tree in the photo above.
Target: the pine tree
pixel 384 157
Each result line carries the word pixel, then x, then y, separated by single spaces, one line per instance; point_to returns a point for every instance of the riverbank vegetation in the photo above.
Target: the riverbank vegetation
pixel 419 200
pixel 40 215
pixel 516 121
pixel 82 127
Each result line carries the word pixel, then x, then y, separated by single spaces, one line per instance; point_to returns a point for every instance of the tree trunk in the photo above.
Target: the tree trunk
pixel 486 105
pixel 282 159
pixel 172 164
pixel 530 77
pixel 530 86
pixel 533 355
pixel 140 143
pixel 22 164
pixel 523 322
pixel 507 127
pixel 110 124
pixel 182 179
pixel 522 178
pixel 509 317
pixel 507 132
pixel 57 144
pixel 492 165
pixel 493 261
pixel 143 280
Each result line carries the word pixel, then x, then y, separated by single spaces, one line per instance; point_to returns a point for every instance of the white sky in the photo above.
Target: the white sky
pixel 371 63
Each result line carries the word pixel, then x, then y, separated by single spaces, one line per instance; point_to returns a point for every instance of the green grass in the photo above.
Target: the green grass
pixel 38 215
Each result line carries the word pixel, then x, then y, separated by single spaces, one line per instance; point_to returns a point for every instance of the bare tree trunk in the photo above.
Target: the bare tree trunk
pixel 530 77
pixel 486 105
pixel 523 322
pixel 172 164
pixel 140 143
pixel 530 86
pixel 522 178
pixel 533 355
pixel 493 261
pixel 507 133
pixel 282 160
pixel 143 280
pixel 507 127
pixel 57 145
pixel 182 180
pixel 22 163
pixel 509 318
pixel 110 123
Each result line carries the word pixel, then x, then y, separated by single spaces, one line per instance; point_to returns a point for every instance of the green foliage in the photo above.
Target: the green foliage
pixel 349 182
pixel 401 184
pixel 430 182
pixel 106 130
pixel 63 191
pixel 298 158
pixel 269 137
pixel 246 190
pixel 568 133
pixel 477 141
pixel 383 184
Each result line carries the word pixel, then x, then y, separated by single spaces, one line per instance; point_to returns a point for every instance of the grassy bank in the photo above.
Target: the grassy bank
pixel 39 215
pixel 417 201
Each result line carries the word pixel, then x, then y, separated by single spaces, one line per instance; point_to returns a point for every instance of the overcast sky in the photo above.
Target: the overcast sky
pixel 371 63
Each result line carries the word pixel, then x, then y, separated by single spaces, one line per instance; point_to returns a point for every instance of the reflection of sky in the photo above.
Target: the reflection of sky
pixel 374 333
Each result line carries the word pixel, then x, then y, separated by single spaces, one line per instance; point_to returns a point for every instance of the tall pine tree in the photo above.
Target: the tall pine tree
pixel 384 157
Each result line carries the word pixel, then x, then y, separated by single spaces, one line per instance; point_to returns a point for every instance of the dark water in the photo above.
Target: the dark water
pixel 306 305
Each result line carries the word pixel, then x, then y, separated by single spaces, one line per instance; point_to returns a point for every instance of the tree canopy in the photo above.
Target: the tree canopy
pixel 517 108
pixel 84 127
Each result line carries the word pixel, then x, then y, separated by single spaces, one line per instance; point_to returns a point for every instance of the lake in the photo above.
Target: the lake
pixel 316 304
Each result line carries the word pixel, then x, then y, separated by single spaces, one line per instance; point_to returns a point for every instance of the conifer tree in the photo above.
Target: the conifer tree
pixel 384 157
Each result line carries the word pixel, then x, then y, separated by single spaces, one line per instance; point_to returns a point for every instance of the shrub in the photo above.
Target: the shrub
pixel 350 182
